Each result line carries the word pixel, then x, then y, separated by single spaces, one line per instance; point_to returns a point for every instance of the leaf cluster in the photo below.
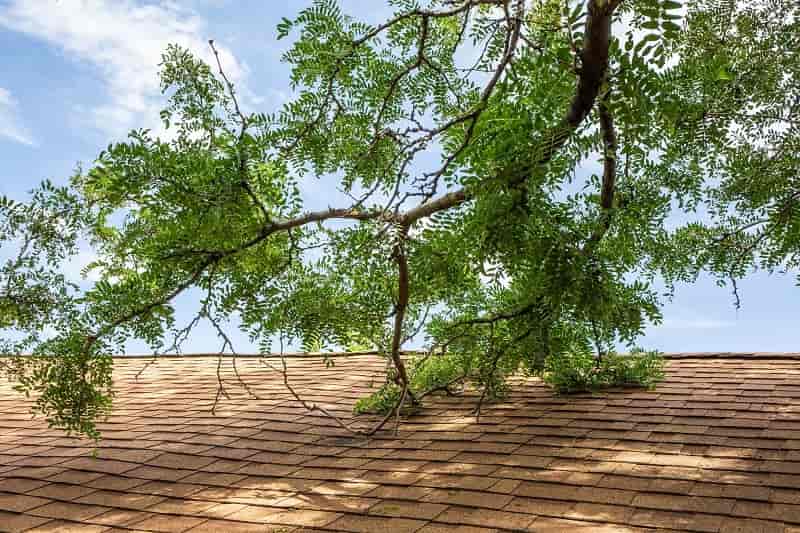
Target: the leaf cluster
pixel 579 370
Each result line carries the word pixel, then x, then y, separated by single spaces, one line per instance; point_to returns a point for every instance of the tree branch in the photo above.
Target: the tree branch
pixel 594 60
pixel 400 307
pixel 609 174
pixel 594 63
pixel 243 124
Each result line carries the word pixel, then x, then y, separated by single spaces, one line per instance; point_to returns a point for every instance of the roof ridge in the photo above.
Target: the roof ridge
pixel 732 355
pixel 667 355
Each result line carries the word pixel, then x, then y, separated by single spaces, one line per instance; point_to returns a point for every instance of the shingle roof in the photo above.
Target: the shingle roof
pixel 716 447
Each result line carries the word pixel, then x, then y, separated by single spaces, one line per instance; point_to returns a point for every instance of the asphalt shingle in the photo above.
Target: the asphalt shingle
pixel 715 447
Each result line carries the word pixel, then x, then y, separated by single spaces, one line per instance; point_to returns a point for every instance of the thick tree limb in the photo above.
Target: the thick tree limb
pixel 609 174
pixel 594 65
pixel 609 156
pixel 594 58
pixel 446 201
pixel 400 309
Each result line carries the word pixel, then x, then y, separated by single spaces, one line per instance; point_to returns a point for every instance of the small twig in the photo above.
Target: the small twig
pixel 596 334
pixel 220 386
pixel 737 301
pixel 419 325
pixel 443 388
pixel 493 370
pixel 177 342
pixel 147 365
pixel 228 343
pixel 490 377
pixel 397 410
pixel 244 123
pixel 315 408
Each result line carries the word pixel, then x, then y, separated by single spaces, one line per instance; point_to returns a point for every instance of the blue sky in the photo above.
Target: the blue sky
pixel 78 74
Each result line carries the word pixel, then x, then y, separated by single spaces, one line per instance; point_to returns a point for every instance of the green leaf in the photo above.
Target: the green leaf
pixel 723 74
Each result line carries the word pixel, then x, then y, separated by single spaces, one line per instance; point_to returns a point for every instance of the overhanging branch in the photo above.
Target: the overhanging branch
pixel 594 64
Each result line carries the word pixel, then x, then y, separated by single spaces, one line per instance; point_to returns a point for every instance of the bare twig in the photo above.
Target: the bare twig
pixel 493 370
pixel 443 388
pixel 220 386
pixel 228 344
pixel 316 408
pixel 243 125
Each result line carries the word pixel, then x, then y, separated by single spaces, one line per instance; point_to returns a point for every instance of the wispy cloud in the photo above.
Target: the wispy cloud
pixel 123 40
pixel 73 267
pixel 11 126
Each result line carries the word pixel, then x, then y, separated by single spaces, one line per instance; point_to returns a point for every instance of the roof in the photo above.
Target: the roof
pixel 716 447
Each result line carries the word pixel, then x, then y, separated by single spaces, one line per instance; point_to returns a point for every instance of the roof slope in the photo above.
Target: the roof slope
pixel 714 448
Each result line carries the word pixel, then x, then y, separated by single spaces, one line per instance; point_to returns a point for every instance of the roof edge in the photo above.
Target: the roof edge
pixel 672 355
pixel 290 355
pixel 732 355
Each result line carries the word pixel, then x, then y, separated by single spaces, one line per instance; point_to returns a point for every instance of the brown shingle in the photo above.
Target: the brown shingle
pixel 13 522
pixel 126 500
pixel 374 524
pixel 69 511
pixel 65 526
pixel 120 517
pixel 486 518
pixel 403 509
pixel 716 447
pixel 168 523
pixel 19 503
pixel 468 498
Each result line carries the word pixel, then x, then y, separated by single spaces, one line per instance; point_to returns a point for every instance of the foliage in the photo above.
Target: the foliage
pixel 518 178
pixel 429 373
pixel 71 385
pixel 381 401
pixel 579 370
pixel 43 233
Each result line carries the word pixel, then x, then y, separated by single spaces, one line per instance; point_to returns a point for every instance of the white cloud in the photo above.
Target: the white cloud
pixel 123 40
pixel 10 125
pixel 74 266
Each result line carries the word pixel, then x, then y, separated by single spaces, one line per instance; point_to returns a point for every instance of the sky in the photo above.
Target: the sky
pixel 78 74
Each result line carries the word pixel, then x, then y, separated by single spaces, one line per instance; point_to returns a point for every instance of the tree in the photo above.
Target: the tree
pixel 505 252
